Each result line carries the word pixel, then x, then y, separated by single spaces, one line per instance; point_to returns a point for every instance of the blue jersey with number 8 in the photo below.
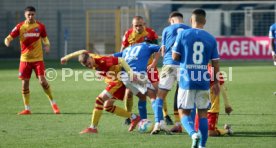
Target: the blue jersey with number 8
pixel 196 48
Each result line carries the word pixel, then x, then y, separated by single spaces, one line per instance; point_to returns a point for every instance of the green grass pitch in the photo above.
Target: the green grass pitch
pixel 250 93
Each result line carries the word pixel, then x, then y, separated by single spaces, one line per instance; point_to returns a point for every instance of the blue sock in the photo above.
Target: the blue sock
pixel 188 124
pixel 203 128
pixel 157 108
pixel 142 107
pixel 193 114
pixel 153 103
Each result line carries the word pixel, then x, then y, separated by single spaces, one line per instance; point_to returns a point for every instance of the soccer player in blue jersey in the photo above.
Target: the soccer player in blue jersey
pixel 194 48
pixel 169 69
pixel 137 57
pixel 272 36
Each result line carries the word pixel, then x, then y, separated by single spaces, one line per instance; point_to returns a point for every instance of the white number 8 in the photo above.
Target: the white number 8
pixel 198 48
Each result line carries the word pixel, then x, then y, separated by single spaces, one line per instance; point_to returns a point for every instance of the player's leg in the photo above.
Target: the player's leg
pixel 142 105
pixel 167 79
pixel 116 90
pixel 97 113
pixel 128 98
pixel 177 128
pixel 203 104
pixel 26 97
pixel 40 71
pixel 25 71
pixel 185 103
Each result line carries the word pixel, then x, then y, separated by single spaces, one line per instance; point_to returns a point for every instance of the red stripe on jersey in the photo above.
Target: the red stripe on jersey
pixel 27 43
pixel 16 30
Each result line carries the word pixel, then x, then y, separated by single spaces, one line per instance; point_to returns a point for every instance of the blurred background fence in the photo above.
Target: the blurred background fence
pixel 99 25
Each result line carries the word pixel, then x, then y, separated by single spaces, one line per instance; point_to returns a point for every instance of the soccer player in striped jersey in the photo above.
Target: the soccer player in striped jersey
pixel 194 48
pixel 170 67
pixel 138 34
pixel 31 33
pixel 109 67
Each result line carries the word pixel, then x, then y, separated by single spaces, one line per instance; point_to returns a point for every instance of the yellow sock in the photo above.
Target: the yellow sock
pixel 165 107
pixel 48 92
pixel 118 111
pixel 121 112
pixel 96 115
pixel 26 98
pixel 129 104
pixel 221 132
pixel 97 112
pixel 176 116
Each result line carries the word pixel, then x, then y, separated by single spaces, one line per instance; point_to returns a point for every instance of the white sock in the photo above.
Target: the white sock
pixel 27 107
pixel 133 116
pixel 52 102
pixel 93 126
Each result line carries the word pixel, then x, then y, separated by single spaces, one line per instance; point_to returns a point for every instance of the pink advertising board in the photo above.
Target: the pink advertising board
pixel 243 48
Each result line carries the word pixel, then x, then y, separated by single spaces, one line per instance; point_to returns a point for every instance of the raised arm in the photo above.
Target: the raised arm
pixel 64 59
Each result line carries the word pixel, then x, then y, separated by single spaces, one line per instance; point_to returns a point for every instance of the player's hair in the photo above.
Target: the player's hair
pixel 83 58
pixel 200 15
pixel 137 18
pixel 30 8
pixel 176 14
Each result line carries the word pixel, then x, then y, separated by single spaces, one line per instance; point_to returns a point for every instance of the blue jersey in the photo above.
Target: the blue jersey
pixel 168 38
pixel 137 55
pixel 196 48
pixel 272 34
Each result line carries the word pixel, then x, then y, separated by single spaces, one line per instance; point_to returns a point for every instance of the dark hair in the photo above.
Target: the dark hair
pixel 200 16
pixel 199 12
pixel 30 8
pixel 176 14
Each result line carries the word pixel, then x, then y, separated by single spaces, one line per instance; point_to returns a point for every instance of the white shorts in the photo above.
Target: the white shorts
pixel 186 99
pixel 168 76
pixel 137 87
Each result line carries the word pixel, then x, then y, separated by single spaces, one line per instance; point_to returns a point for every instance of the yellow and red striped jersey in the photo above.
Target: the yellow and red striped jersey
pixel 108 66
pixel 30 40
pixel 131 36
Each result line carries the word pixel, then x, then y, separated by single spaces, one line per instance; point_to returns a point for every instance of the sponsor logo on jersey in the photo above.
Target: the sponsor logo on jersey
pixel 31 35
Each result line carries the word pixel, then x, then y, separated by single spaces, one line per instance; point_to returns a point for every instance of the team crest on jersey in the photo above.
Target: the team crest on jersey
pixel 36 30
pixel 146 38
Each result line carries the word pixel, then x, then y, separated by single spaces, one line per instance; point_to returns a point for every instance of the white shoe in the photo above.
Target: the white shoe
pixel 163 127
pixel 156 129
pixel 229 129
pixel 196 138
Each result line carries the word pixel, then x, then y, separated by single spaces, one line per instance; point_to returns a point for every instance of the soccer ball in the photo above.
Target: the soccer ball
pixel 145 126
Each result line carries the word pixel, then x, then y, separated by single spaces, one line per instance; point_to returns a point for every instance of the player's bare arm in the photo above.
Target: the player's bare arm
pixel 176 56
pixel 155 61
pixel 8 40
pixel 64 59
